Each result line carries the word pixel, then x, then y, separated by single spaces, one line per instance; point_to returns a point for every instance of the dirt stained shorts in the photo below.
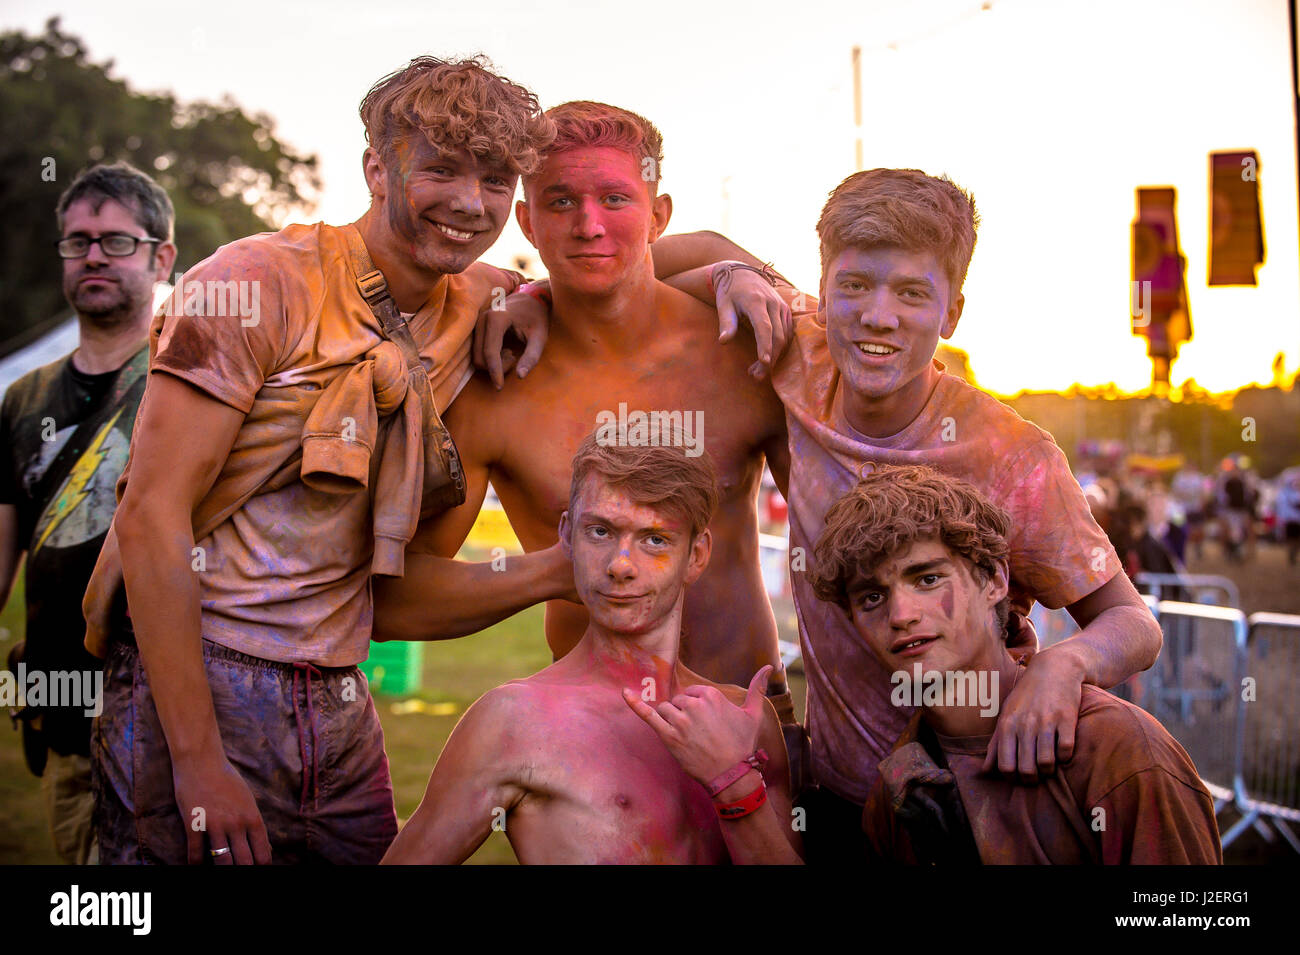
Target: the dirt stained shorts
pixel 305 739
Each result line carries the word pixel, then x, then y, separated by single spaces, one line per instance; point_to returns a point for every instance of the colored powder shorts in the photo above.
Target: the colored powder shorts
pixel 306 740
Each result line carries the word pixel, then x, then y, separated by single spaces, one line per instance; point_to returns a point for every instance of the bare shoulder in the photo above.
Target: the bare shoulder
pixel 503 711
pixel 476 397
pixel 497 729
pixel 684 306
pixel 697 322
pixel 525 714
pixel 690 317
pixel 517 392
pixel 552 682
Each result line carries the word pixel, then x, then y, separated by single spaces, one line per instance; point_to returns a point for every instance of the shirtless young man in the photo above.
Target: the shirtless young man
pixel 558 758
pixel 620 343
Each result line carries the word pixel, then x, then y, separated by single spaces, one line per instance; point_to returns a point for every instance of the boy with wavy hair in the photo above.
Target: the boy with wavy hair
pixel 918 560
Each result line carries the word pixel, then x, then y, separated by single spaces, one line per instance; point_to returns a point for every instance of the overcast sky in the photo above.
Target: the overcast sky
pixel 1051 113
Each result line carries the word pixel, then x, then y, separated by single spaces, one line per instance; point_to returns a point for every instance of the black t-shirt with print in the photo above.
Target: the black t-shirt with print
pixel 40 413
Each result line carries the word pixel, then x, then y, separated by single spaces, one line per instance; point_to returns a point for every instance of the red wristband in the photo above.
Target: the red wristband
pixel 755 760
pixel 743 807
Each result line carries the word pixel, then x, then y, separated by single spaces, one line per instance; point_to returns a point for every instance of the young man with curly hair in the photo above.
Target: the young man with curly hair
pixel 277 462
pixel 918 560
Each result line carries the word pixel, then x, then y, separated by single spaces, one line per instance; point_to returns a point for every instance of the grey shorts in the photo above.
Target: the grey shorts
pixel 306 740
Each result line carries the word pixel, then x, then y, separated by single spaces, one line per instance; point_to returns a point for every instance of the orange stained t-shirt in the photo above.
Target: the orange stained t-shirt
pixel 1128 796
pixel 1058 553
pixel 285 571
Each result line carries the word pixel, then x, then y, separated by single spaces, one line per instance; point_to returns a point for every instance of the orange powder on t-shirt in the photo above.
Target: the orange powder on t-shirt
pixel 285 568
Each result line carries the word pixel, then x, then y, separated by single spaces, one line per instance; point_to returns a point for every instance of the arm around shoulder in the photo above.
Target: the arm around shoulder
pixel 440 597
pixel 1119 636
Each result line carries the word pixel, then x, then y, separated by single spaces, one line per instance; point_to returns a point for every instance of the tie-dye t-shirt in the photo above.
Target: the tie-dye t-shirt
pixel 1058 553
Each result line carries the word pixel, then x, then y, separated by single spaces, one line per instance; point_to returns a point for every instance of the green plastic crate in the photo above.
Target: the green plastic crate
pixel 394 667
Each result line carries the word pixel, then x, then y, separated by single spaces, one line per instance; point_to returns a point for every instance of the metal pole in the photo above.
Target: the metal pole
pixel 1295 90
pixel 857 103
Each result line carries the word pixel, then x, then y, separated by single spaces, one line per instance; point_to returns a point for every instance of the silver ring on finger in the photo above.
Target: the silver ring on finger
pixel 220 852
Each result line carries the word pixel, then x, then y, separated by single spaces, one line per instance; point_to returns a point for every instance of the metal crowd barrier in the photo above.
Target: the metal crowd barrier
pixel 1270 748
pixel 1052 626
pixel 1225 691
pixel 1198 584
pixel 1193 690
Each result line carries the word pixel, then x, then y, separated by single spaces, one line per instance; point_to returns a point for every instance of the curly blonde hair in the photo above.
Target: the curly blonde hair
pixel 458 104
pixel 893 507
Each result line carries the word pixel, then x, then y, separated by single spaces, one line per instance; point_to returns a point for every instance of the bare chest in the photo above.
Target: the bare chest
pixel 605 794
pixel 534 473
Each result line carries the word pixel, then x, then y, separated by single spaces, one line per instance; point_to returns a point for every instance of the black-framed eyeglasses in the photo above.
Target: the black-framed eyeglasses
pixel 115 244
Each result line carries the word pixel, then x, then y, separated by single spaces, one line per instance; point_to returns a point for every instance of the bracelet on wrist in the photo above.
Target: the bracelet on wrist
pixel 769 275
pixel 744 806
pixel 755 760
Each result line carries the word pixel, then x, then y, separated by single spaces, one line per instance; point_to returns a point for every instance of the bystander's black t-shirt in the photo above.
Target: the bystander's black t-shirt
pixel 40 413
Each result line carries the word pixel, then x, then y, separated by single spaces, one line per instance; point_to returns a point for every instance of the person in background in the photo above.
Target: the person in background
pixel 65 429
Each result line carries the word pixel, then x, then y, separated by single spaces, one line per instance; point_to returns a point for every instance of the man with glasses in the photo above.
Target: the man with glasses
pixel 64 432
